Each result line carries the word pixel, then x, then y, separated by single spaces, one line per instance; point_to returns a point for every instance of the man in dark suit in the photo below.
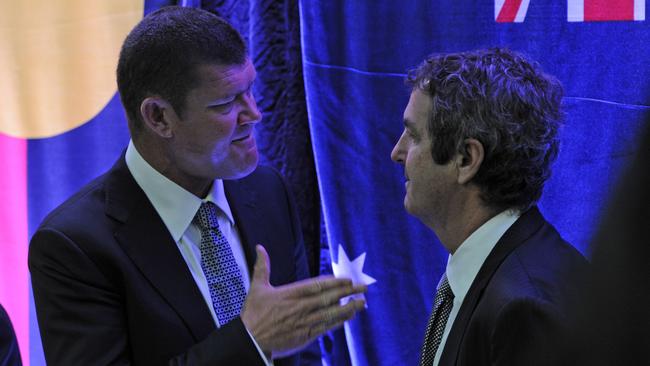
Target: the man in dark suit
pixel 155 262
pixel 9 352
pixel 480 133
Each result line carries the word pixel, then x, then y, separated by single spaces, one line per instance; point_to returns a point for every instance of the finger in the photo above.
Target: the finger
pixel 359 289
pixel 317 285
pixel 319 329
pixel 332 318
pixel 306 302
pixel 337 313
pixel 333 296
pixel 261 270
pixel 333 313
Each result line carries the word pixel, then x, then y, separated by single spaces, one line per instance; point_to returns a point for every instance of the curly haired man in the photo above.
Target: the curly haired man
pixel 480 134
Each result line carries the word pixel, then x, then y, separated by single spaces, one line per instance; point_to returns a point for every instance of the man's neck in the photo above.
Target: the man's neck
pixel 453 233
pixel 156 156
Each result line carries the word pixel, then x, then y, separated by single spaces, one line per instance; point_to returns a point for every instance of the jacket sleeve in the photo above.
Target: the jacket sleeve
pixel 228 345
pixel 80 314
pixel 82 319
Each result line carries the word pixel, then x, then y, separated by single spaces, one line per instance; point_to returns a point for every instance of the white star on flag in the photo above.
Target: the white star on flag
pixel 343 268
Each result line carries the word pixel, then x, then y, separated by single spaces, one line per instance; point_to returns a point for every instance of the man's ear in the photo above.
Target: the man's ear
pixel 469 163
pixel 158 116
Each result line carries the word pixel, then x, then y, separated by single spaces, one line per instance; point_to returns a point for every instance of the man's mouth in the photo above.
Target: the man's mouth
pixel 241 138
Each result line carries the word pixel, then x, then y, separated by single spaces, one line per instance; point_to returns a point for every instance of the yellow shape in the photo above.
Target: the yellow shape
pixel 58 60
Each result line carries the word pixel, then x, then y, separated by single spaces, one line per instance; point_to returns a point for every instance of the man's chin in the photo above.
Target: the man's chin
pixel 251 162
pixel 407 205
pixel 249 170
pixel 411 208
pixel 246 166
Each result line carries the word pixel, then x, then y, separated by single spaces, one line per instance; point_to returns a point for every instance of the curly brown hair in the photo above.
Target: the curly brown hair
pixel 506 102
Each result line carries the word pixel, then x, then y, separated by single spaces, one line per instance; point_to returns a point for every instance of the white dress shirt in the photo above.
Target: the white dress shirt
pixel 464 264
pixel 177 208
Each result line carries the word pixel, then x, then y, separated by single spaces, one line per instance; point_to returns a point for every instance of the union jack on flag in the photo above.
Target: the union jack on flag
pixel 510 11
pixel 605 10
pixel 514 11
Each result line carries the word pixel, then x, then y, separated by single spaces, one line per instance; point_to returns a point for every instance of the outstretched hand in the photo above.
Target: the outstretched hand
pixel 286 318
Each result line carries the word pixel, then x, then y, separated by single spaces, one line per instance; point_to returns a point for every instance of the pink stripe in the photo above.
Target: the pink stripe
pixel 603 10
pixel 14 276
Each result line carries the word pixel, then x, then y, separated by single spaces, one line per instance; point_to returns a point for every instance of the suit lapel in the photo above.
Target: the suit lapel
pixel 242 201
pixel 145 239
pixel 521 230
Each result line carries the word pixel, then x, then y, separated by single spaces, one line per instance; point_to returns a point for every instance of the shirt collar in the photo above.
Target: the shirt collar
pixel 175 205
pixel 464 264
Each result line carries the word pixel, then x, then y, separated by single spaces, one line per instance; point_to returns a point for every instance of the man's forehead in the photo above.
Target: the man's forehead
pixel 225 80
pixel 217 72
pixel 420 98
pixel 418 108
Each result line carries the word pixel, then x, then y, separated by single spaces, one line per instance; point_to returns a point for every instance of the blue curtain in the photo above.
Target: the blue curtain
pixel 355 55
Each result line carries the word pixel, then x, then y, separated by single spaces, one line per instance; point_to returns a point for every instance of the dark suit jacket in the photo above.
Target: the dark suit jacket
pixel 9 353
pixel 514 310
pixel 111 287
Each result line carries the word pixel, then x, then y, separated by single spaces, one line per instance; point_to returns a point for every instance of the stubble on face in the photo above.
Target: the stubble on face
pixel 429 185
pixel 214 138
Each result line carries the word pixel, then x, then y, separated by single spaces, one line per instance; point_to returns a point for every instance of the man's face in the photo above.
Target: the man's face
pixel 429 186
pixel 213 138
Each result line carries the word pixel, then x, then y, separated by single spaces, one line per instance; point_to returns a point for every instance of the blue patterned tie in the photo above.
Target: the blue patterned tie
pixel 442 305
pixel 219 266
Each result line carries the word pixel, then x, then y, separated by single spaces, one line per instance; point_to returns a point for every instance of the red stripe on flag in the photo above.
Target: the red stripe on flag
pixel 602 10
pixel 509 11
pixel 14 277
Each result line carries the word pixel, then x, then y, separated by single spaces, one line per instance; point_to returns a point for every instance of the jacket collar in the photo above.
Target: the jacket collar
pixel 147 242
pixel 527 224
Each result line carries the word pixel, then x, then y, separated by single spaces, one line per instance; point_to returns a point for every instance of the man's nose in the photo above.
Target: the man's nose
pixel 250 113
pixel 397 155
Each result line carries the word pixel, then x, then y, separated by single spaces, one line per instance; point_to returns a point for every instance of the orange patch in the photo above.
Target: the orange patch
pixel 58 60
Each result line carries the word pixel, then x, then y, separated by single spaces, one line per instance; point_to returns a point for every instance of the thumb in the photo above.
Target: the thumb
pixel 262 268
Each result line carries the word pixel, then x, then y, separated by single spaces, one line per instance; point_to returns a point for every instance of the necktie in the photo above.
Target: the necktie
pixel 219 266
pixel 441 308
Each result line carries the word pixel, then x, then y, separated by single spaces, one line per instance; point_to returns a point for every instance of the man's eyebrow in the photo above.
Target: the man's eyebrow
pixel 220 101
pixel 248 87
pixel 232 96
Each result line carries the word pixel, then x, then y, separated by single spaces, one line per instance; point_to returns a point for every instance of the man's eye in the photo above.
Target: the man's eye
pixel 410 133
pixel 224 107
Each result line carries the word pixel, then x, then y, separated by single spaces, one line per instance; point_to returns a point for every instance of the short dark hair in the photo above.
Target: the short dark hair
pixel 504 101
pixel 161 54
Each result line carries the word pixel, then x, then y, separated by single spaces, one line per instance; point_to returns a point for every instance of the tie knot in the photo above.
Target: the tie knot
pixel 206 217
